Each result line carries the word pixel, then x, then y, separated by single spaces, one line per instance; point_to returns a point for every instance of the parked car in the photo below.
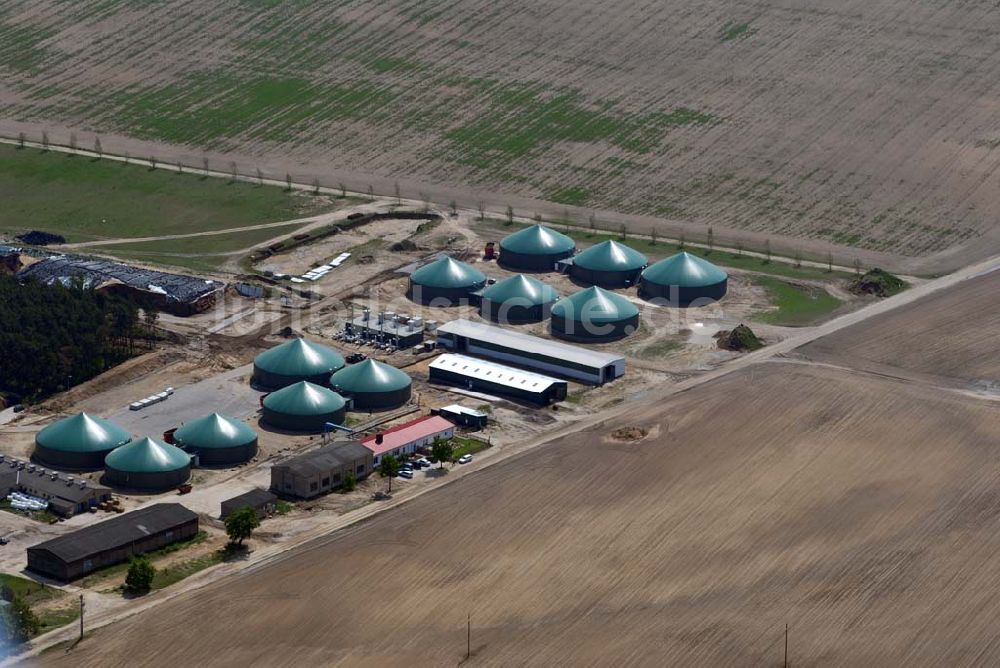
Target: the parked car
pixel 465 459
pixel 423 462
pixel 406 473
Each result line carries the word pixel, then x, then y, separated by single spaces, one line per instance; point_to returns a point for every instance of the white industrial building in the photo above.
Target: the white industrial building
pixel 533 352
pixel 485 376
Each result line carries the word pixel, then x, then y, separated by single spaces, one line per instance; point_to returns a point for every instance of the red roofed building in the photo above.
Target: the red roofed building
pixel 407 438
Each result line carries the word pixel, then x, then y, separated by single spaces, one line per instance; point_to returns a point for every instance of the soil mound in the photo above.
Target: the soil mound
pixel 629 434
pixel 740 339
pixel 877 282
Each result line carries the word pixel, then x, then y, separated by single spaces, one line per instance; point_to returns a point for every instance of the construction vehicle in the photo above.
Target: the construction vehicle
pixel 168 436
pixel 490 253
pixel 184 489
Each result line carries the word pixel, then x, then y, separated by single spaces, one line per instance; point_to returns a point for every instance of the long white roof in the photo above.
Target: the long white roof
pixel 473 367
pixel 528 343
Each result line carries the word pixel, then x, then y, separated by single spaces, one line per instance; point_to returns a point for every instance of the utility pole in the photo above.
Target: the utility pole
pixel 785 664
pixel 81 616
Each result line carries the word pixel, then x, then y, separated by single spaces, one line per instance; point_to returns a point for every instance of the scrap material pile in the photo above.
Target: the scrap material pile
pixel 181 295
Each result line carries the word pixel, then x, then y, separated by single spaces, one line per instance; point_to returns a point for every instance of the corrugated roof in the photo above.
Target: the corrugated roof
pixel 304 398
pixel 537 240
pixel 521 290
pixel 610 256
pixel 595 305
pixel 147 455
pixel 117 532
pixel 254 498
pixel 370 376
pixel 325 458
pixel 495 373
pixel 684 270
pixel 214 431
pixel 448 272
pixel 527 343
pixel 404 434
pixel 82 433
pixel 300 357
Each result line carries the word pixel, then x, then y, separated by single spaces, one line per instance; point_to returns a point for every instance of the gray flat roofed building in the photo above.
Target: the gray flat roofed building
pixel 261 500
pixel 322 470
pixel 485 376
pixel 390 328
pixel 112 541
pixel 533 352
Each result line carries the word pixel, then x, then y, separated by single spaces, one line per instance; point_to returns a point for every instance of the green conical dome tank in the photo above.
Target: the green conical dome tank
pixel 608 264
pixel 294 361
pixel 682 279
pixel 594 315
pixel 445 282
pixel 517 299
pixel 303 406
pixel 218 440
pixel 79 442
pixel 147 464
pixel 535 248
pixel 373 385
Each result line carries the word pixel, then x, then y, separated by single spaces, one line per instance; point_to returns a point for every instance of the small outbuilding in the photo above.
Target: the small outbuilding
pixel 372 385
pixel 463 416
pixel 535 248
pixel 305 407
pixel 314 473
pixel 594 315
pixel 445 282
pixel 262 501
pixel 147 465
pixel 682 279
pixel 78 443
pixel 608 264
pixel 295 361
pixel 218 440
pixel 516 300
pixel 112 541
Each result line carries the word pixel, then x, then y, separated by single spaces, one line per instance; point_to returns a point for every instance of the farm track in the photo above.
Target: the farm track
pixel 866 125
pixel 760 475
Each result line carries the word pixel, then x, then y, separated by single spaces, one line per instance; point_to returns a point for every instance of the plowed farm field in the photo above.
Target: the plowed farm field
pixel 860 509
pixel 864 123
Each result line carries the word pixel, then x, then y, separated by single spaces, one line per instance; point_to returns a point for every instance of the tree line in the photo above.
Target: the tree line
pixel 54 336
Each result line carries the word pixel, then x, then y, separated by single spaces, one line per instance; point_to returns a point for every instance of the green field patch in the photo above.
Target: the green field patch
pixel 21 48
pixel 213 244
pixel 523 121
pixel 797 305
pixel 735 31
pixel 467 446
pixel 384 64
pixel 571 196
pixel 85 199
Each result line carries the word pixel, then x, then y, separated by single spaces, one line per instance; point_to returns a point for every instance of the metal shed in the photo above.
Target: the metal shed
pixel 261 500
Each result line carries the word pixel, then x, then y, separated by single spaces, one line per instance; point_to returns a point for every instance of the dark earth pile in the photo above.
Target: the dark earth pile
pixel 36 238
pixel 740 339
pixel 877 282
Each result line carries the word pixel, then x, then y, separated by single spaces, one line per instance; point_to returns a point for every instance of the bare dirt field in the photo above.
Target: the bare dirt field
pixel 868 124
pixel 859 509
pixel 871 534
pixel 951 336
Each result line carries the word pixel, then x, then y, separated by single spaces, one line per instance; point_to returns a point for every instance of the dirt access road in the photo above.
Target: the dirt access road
pixel 567 515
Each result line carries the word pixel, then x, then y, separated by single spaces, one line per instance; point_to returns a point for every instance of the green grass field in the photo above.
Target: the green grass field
pixel 796 306
pixel 85 199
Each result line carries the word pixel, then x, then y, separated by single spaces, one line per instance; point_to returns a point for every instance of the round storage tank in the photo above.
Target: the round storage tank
pixel 372 385
pixel 295 361
pixel 80 442
pixel 518 299
pixel 682 279
pixel 303 406
pixel 147 465
pixel 594 315
pixel 535 248
pixel 445 282
pixel 608 264
pixel 218 440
